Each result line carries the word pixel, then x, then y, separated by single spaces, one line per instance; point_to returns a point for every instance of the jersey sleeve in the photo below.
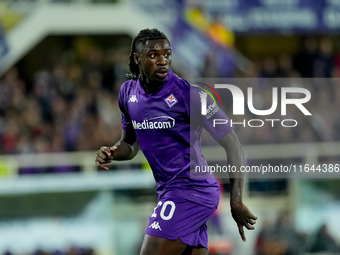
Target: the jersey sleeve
pixel 126 120
pixel 205 112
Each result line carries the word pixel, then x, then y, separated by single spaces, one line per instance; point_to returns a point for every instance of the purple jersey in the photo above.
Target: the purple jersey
pixel 168 133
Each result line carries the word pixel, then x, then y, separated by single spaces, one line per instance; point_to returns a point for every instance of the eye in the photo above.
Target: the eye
pixel 152 55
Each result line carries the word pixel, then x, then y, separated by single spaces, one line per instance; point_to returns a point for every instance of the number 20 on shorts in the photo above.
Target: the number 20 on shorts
pixel 163 208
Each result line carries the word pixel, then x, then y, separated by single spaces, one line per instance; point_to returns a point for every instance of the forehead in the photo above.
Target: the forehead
pixel 158 44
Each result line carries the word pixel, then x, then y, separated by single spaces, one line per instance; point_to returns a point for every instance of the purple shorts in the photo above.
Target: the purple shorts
pixel 175 217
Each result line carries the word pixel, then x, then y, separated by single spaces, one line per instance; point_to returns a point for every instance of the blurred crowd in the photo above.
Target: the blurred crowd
pixel 73 105
pixel 317 58
pixel 281 238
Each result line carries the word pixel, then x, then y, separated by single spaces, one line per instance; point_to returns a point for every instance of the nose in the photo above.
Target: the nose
pixel 162 60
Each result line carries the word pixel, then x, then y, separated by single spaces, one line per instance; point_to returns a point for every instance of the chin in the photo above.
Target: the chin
pixel 161 78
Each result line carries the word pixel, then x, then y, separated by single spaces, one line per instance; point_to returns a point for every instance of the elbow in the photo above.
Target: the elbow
pixel 134 150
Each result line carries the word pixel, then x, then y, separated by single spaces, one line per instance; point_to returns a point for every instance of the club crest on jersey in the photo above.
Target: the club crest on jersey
pixel 171 100
pixel 133 99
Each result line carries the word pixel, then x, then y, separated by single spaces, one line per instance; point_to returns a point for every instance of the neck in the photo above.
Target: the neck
pixel 150 87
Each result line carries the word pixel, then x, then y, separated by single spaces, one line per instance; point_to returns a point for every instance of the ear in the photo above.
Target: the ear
pixel 136 58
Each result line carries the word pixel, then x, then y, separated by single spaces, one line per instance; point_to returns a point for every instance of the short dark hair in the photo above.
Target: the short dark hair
pixel 141 39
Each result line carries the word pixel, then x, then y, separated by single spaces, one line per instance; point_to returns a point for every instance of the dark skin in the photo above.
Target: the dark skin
pixel 154 61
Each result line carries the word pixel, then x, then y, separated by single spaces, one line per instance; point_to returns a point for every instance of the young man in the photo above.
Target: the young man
pixel 156 115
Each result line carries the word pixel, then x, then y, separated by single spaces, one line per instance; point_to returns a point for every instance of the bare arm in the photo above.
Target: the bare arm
pixel 235 155
pixel 126 148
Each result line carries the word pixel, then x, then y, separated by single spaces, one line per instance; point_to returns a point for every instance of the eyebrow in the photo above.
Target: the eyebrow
pixel 166 49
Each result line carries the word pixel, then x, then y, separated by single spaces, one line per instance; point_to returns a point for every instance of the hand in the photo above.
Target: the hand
pixel 243 217
pixel 104 156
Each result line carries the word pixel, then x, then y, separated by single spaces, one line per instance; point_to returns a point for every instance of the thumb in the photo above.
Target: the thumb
pixel 112 150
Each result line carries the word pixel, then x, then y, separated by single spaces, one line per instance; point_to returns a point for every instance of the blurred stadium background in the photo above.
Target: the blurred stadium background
pixel 61 65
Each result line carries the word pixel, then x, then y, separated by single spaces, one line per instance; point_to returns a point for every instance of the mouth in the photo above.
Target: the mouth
pixel 162 73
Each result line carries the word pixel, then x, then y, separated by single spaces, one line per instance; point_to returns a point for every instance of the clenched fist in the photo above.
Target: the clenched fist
pixel 104 156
